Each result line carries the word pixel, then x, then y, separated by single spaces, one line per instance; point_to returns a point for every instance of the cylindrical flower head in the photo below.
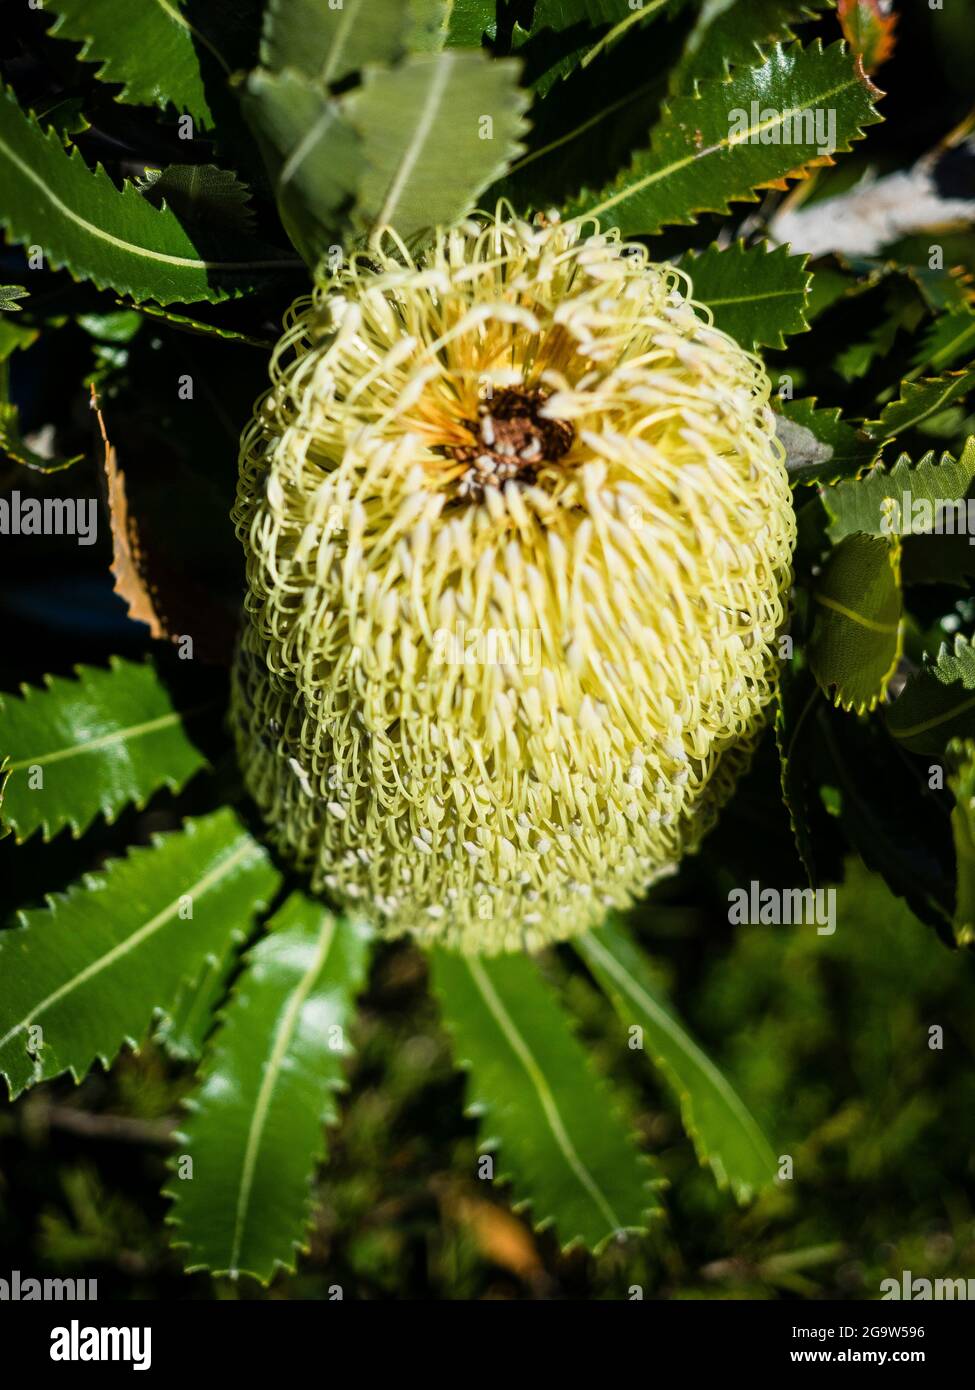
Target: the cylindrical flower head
pixel 519 538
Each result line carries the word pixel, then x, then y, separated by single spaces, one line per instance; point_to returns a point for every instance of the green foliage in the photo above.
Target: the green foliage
pixel 406 148
pixel 562 1142
pixel 699 161
pixel 9 295
pixel 874 504
pixel 962 783
pixel 328 44
pixel 267 1086
pixel 821 447
pixel 734 31
pixel 114 238
pixel 725 1135
pixel 937 703
pixel 664 121
pixel 91 745
pixel 88 972
pixel 855 642
pixel 154 51
pixel 426 157
pixel 757 295
pixel 918 401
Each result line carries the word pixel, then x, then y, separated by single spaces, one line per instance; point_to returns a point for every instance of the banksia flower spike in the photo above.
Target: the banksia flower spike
pixel 518 537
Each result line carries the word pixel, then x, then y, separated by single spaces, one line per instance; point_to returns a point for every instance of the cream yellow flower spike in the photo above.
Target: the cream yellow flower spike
pixel 519 539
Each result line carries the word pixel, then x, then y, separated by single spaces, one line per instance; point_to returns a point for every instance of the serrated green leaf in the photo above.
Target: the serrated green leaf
pixel 855 643
pixel 313 155
pixel 725 1135
pixel 727 33
pixel 328 44
pixel 756 295
pixel 95 743
pixel 267 1087
pixel 153 49
pixel 566 34
pixel 468 21
pixel 961 780
pixel 9 294
pixel 183 1029
pixel 202 330
pixel 820 446
pixel 562 1145
pixel 203 196
pixel 113 237
pixel 702 157
pixel 918 401
pixel 937 703
pixel 426 148
pixel 902 500
pixel 88 972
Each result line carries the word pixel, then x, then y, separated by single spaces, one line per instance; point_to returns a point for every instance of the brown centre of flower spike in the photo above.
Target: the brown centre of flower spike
pixel 511 440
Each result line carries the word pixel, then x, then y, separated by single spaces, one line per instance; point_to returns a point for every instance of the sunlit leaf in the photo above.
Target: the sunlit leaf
pixel 255 1129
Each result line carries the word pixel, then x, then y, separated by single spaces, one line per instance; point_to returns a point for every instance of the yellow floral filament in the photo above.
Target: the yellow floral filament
pixel 488 711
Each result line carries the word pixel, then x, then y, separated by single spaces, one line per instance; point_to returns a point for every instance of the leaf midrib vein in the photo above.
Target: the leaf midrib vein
pixel 122 948
pixel 130 247
pixel 544 1092
pixel 128 734
pixel 639 996
pixel 282 1041
pixel 632 189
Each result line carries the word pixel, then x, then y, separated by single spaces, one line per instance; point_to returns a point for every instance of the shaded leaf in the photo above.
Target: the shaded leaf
pixel 937 703
pixel 888 813
pixel 855 643
pixel 156 583
pixel 820 446
pixel 312 153
pixel 961 780
pixel 566 34
pixel 183 1029
pixel 203 330
pixel 254 1132
pixel 113 237
pixel 87 973
pixel 468 21
pixel 714 147
pixel 98 742
pixel 756 295
pixel 12 441
pixel 725 1135
pixel 563 1146
pixel 203 197
pixel 797 698
pixel 950 337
